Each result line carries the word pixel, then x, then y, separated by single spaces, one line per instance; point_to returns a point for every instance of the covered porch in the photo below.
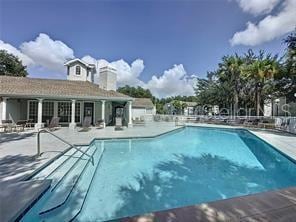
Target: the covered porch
pixel 71 111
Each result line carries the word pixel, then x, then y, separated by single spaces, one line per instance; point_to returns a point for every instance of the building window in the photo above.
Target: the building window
pixel 47 111
pixel 78 70
pixel 64 111
pixel 33 110
pixel 77 112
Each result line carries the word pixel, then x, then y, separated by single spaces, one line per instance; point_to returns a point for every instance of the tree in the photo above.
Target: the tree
pixel 10 65
pixel 136 92
pixel 177 105
pixel 260 72
pixel 229 72
pixel 291 53
pixel 288 82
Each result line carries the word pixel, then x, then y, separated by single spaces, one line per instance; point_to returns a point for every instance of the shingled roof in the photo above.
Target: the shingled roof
pixel 54 88
pixel 143 103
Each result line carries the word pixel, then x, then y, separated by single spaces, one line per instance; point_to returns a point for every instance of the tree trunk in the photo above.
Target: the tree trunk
pixel 258 102
pixel 235 103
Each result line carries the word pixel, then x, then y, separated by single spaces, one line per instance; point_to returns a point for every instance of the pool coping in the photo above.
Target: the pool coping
pixel 264 206
pixel 36 171
pixel 34 191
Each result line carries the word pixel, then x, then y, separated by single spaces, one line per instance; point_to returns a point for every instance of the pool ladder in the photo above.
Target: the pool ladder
pixel 61 139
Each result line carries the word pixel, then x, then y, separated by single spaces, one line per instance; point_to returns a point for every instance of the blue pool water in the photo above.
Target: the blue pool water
pixel 185 167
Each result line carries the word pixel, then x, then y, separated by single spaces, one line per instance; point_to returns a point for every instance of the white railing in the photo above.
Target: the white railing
pixel 287 124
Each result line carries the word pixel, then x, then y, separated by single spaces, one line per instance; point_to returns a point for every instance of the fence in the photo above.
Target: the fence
pixel 287 124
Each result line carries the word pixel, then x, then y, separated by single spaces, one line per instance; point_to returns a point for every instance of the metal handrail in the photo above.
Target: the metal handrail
pixel 61 139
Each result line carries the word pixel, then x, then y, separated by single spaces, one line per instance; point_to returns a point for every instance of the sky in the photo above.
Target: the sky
pixel 160 45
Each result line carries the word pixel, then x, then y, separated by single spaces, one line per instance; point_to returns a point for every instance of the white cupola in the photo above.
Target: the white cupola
pixel 80 70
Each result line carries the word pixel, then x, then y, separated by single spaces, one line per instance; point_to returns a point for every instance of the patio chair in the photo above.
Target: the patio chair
pixel 8 125
pixel 118 123
pixel 20 125
pixel 86 124
pixel 54 123
pixel 139 121
pixel 3 128
pixel 100 124
pixel 30 123
pixel 252 123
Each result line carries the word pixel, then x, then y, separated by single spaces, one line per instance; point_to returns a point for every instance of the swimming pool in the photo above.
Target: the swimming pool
pixel 135 176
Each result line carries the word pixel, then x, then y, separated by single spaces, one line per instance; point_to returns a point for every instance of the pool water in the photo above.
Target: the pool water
pixel 185 167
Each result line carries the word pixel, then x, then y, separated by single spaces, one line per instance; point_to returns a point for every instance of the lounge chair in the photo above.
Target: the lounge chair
pixel 252 123
pixel 30 123
pixel 20 125
pixel 100 124
pixel 118 123
pixel 54 123
pixel 9 126
pixel 86 124
pixel 3 128
pixel 139 121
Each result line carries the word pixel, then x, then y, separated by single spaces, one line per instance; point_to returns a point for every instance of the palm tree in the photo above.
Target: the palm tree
pixel 259 71
pixel 230 70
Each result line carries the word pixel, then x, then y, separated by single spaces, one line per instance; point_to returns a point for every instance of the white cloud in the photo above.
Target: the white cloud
pixel 45 55
pixel 128 74
pixel 27 61
pixel 271 27
pixel 257 7
pixel 47 52
pixel 172 82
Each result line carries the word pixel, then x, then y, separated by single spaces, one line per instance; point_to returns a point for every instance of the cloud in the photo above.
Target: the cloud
pixel 172 82
pixel 48 53
pixel 27 61
pixel 257 7
pixel 269 28
pixel 45 55
pixel 128 74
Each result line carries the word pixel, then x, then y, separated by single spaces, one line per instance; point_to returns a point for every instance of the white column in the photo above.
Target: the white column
pixel 72 125
pixel 4 105
pixel 39 123
pixel 55 109
pixel 130 122
pixel 103 113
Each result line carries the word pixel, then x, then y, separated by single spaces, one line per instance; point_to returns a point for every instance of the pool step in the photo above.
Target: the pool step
pixel 58 175
pixel 43 174
pixel 75 201
pixel 60 195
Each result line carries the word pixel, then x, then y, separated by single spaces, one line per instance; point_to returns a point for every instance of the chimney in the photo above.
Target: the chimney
pixel 108 78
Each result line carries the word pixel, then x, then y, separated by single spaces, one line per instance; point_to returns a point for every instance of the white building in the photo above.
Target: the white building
pixel 142 107
pixel 72 100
